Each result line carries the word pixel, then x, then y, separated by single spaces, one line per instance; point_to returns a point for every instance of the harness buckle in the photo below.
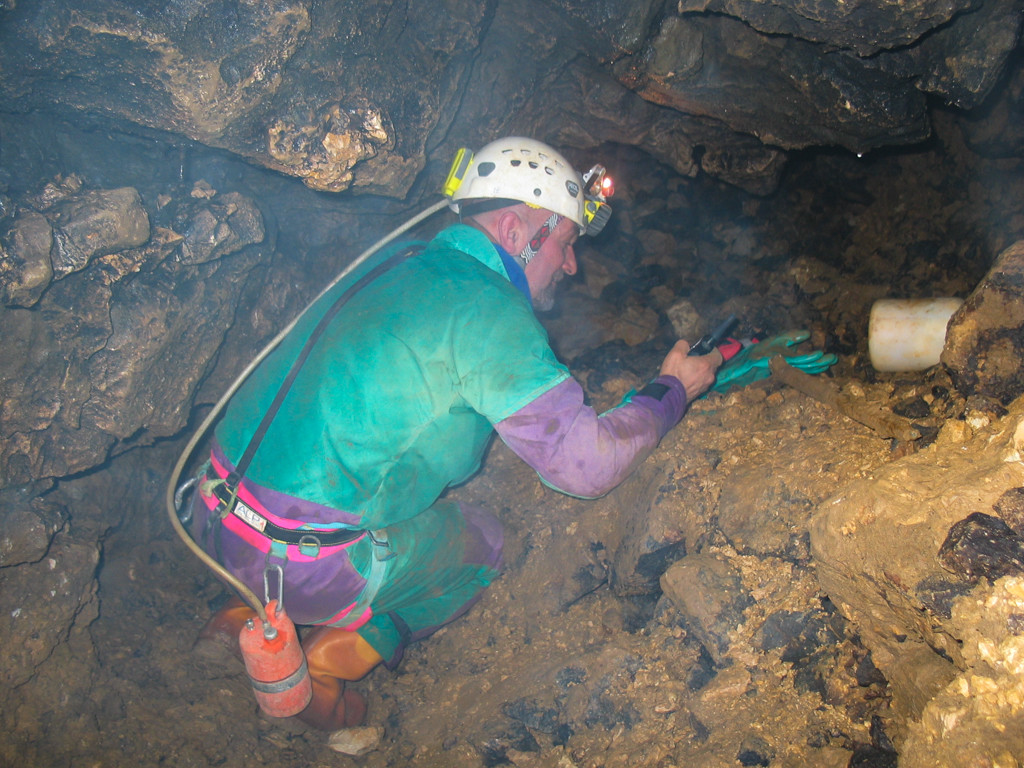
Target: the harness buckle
pixel 225 495
pixel 309 545
pixel 379 539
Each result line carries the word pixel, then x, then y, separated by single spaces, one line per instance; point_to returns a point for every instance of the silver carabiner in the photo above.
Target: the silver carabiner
pixel 280 584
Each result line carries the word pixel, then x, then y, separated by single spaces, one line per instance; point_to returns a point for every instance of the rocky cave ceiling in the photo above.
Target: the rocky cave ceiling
pixel 364 96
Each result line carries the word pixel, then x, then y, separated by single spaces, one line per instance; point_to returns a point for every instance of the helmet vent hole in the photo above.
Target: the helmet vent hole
pixel 549 171
pixel 534 165
pixel 537 193
pixel 485 169
pixel 516 163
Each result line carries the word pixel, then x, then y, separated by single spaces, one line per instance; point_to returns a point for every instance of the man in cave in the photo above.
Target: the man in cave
pixel 399 387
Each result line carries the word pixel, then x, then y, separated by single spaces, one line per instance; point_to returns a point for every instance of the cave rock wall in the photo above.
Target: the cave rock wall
pixel 111 324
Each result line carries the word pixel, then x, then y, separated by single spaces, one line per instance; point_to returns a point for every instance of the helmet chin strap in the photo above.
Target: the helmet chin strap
pixel 537 241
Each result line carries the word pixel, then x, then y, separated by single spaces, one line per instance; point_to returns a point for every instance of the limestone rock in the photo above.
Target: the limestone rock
pixel 323 152
pixel 28 524
pixel 999 131
pixel 985 338
pixel 714 86
pixel 686 320
pixel 865 27
pixel 709 591
pixel 356 741
pixel 39 248
pixel 99 361
pixel 224 226
pixel 43 602
pixel 25 266
pixel 96 223
pixel 977 719
pixel 258 79
pixel 877 546
pixel 365 96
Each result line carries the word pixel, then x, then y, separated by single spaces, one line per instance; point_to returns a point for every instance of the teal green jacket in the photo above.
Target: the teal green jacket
pixel 399 397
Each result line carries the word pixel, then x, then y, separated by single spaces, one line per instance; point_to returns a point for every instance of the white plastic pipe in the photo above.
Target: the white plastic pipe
pixel 908 334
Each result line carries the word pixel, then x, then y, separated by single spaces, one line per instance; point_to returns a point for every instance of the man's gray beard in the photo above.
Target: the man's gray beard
pixel 545 300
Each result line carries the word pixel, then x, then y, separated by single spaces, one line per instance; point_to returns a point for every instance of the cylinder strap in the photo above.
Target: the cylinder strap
pixel 281 686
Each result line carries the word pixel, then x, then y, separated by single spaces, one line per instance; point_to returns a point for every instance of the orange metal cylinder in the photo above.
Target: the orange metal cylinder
pixel 276 666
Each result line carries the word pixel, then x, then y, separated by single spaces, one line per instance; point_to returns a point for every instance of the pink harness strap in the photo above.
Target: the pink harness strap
pixel 255 538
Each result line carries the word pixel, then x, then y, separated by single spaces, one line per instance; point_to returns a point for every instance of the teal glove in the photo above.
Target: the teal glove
pixel 751 364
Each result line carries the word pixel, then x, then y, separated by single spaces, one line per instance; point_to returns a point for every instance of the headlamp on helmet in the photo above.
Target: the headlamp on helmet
pixel 599 187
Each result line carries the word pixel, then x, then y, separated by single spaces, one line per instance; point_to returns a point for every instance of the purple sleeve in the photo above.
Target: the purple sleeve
pixel 582 454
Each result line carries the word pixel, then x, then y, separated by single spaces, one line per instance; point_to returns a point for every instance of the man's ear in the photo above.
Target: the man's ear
pixel 511 232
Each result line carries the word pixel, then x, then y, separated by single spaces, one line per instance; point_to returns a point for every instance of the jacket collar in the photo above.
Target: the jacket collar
pixel 472 241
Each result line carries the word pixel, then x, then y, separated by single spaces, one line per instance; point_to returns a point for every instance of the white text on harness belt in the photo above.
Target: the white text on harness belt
pixel 249 515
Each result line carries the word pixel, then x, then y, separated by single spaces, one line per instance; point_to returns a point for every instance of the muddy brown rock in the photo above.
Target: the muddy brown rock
pixel 708 590
pixel 1010 509
pixel 985 338
pixel 877 548
pixel 653 533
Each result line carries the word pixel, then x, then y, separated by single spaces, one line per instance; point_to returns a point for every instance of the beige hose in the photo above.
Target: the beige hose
pixel 247 594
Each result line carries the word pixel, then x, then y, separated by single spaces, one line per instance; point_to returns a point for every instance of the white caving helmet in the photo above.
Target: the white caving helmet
pixel 517 169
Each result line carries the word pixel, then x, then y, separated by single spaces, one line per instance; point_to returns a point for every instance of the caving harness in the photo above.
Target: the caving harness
pixel 309 541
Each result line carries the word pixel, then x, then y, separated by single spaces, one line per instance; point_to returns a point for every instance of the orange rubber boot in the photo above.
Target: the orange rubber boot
pixel 333 656
pixel 223 629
